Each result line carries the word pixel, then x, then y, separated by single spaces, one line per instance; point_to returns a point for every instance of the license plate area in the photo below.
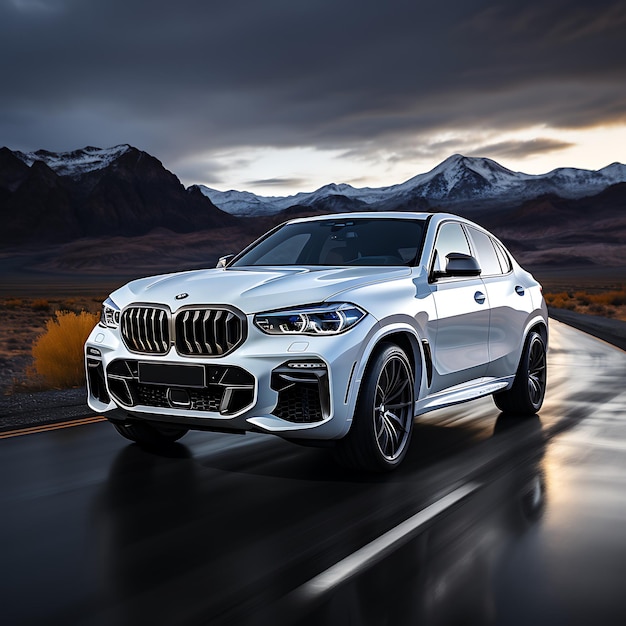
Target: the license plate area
pixel 172 375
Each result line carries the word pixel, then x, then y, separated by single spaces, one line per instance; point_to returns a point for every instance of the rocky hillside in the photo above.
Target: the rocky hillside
pixel 551 230
pixel 54 198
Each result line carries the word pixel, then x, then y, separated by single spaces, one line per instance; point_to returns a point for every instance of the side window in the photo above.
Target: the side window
pixel 486 253
pixel 503 257
pixel 450 238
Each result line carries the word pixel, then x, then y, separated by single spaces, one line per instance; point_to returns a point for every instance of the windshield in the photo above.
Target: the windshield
pixel 360 241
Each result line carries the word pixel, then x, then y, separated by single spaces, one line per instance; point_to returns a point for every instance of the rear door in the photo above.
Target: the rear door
pixel 509 301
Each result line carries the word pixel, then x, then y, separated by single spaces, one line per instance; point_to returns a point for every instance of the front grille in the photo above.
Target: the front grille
pixel 208 332
pixel 145 329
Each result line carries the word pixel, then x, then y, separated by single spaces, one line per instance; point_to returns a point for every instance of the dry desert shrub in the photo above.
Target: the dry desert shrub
pixel 40 304
pixel 561 300
pixel 558 302
pixel 14 303
pixel 609 303
pixel 610 298
pixel 583 298
pixel 58 352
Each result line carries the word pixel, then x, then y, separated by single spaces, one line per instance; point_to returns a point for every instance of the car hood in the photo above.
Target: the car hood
pixel 252 290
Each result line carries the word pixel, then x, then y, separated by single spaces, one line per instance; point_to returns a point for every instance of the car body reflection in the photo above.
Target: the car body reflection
pixel 186 540
pixel 446 575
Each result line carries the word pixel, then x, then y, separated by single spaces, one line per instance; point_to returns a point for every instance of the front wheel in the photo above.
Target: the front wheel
pixel 525 397
pixel 149 435
pixel 383 420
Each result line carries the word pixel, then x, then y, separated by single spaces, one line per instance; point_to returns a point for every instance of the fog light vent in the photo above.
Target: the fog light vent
pixel 303 391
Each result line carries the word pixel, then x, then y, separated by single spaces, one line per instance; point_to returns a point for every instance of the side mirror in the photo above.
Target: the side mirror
pixel 224 260
pixel 461 265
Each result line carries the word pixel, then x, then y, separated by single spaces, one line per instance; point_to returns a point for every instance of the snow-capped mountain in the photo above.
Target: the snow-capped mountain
pixel 76 162
pixel 455 180
pixel 245 203
pixel 67 202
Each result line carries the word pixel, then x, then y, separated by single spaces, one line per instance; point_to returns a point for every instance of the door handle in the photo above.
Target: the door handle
pixel 519 290
pixel 479 296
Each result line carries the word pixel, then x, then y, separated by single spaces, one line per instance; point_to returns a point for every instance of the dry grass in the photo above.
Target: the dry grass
pixel 58 353
pixel 40 304
pixel 13 303
pixel 23 321
pixel 609 303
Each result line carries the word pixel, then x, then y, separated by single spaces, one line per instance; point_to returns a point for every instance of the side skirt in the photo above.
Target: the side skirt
pixel 462 393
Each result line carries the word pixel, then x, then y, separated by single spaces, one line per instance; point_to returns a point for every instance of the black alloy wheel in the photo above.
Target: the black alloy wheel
pixel 529 387
pixel 383 421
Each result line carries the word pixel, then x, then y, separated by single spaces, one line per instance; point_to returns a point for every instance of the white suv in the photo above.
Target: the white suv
pixel 333 330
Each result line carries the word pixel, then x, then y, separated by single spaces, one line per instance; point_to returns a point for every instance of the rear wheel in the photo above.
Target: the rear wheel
pixel 149 435
pixel 526 395
pixel 383 420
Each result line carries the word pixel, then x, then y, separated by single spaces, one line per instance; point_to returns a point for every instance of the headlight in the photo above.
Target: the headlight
pixel 314 319
pixel 110 314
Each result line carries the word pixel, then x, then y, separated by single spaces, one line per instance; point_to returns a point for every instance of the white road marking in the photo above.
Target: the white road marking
pixel 383 545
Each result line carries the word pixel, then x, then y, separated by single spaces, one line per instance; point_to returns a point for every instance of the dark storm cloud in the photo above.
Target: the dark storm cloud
pixel 521 149
pixel 212 171
pixel 278 182
pixel 192 77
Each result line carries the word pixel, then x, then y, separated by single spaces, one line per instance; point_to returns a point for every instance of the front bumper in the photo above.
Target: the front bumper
pixel 293 386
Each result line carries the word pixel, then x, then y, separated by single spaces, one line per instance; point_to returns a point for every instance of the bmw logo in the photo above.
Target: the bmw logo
pixel 182 296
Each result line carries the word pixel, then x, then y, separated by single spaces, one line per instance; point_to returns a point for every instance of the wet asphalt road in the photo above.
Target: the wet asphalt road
pixel 491 520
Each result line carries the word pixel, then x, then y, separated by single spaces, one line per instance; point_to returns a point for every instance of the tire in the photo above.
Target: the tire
pixel 149 435
pixel 383 419
pixel 526 395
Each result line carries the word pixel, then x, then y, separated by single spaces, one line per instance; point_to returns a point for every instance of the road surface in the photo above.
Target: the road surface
pixel 491 520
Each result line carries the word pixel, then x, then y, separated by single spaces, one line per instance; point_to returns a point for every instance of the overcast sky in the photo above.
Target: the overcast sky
pixel 279 96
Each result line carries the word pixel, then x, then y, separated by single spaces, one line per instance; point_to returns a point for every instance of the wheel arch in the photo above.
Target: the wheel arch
pixel 538 325
pixel 378 438
pixel 541 328
pixel 525 394
pixel 409 342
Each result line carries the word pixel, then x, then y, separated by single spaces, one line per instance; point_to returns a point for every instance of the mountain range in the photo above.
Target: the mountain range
pixel 458 181
pixel 119 211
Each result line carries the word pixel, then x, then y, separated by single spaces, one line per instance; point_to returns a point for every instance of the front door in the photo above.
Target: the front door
pixel 461 330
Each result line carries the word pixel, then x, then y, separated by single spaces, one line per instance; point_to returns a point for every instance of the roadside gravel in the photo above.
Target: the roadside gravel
pixel 22 410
